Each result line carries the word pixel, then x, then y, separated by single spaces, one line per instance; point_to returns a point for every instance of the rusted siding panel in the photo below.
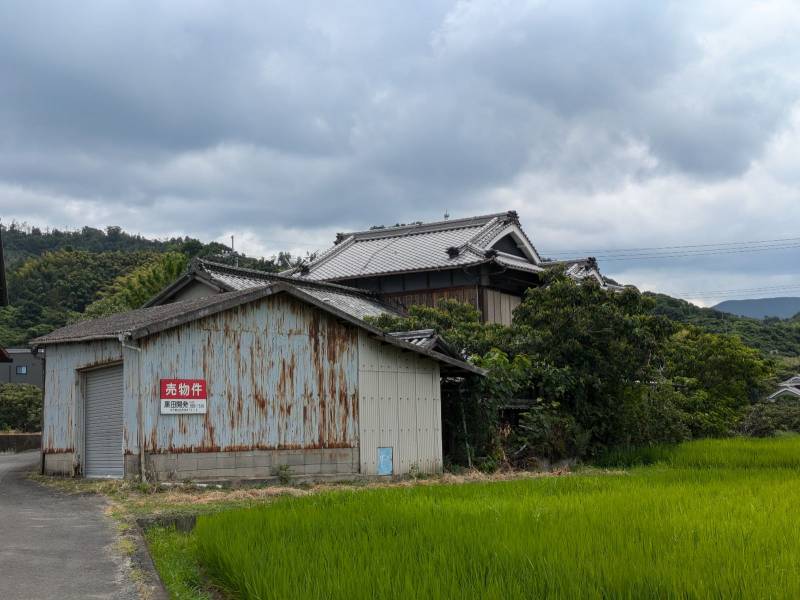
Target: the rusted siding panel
pixel 280 374
pixel 62 430
pixel 399 407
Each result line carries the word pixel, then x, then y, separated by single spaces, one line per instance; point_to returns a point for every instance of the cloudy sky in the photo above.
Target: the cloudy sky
pixel 608 125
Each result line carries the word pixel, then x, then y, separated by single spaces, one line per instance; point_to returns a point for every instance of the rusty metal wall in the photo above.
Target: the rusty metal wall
pixel 62 429
pixel 400 407
pixel 280 374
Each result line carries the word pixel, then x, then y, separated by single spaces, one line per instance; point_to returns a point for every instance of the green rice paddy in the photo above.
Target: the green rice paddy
pixel 709 519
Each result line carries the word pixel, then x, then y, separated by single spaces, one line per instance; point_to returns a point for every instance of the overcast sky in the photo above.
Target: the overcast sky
pixel 606 124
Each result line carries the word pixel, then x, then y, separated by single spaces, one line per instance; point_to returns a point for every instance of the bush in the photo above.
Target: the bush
pixel 546 432
pixel 768 418
pixel 20 407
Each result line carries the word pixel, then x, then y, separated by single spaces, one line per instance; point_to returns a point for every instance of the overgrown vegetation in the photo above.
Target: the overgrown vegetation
pixel 714 518
pixel 592 371
pixel 54 276
pixel 20 407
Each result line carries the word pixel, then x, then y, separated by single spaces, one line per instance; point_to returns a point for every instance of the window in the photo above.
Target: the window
pixel 22 370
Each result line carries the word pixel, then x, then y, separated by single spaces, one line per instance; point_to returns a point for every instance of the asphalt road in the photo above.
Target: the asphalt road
pixel 54 545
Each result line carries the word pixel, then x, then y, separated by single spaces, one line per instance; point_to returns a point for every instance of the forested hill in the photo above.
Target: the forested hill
pixel 760 308
pixel 772 336
pixel 54 276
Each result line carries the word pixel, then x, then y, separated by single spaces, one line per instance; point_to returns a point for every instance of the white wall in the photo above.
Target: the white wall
pixel 399 407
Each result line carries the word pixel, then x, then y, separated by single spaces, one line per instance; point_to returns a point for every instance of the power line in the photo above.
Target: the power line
pixel 736 292
pixel 692 254
pixel 650 249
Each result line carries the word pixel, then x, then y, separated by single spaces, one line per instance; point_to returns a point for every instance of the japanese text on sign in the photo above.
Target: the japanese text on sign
pixel 183 396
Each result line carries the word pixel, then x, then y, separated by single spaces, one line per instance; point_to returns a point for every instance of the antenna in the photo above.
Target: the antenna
pixel 446 214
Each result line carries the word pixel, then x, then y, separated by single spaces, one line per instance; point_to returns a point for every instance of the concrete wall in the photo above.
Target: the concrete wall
pixel 18 442
pixel 312 463
pixel 63 463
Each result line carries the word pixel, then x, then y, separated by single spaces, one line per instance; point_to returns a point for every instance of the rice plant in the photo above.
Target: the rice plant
pixel 718 518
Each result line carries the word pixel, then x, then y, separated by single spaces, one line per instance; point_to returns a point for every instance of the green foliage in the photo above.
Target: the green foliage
pixel 599 370
pixel 459 323
pixel 773 337
pixel 720 376
pixel 769 418
pixel 715 519
pixel 54 275
pixel 133 289
pixel 20 407
pixel 175 556
pixel 45 292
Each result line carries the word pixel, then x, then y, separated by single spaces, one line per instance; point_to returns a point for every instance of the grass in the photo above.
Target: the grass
pixel 709 519
pixel 175 557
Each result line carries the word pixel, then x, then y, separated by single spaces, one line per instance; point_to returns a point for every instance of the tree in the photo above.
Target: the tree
pixel 605 346
pixel 133 289
pixel 20 407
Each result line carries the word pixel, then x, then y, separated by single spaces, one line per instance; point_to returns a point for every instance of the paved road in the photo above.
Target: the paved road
pixel 54 545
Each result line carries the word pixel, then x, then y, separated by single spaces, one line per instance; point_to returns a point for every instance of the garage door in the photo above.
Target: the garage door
pixel 103 414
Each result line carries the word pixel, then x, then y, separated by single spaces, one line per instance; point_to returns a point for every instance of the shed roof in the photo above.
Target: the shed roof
pixel 144 322
pixel 422 247
pixel 225 278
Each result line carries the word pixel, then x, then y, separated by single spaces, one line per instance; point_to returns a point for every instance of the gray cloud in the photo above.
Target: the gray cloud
pixel 588 117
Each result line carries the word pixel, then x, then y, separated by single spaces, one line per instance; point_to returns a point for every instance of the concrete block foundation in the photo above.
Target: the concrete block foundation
pixel 59 464
pixel 251 464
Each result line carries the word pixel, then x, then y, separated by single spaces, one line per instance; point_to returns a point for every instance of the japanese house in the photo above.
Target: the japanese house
pixel 487 261
pixel 240 384
pixel 787 390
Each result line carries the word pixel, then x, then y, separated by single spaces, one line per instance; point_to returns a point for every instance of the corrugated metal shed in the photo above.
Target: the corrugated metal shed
pixel 283 373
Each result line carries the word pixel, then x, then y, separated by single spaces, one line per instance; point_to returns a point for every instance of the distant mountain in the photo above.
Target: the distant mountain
pixel 772 337
pixel 760 308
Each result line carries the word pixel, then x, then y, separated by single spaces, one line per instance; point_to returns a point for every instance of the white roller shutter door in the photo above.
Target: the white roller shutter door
pixel 103 419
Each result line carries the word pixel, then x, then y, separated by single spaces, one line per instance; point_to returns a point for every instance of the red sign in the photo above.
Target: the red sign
pixel 183 397
pixel 183 389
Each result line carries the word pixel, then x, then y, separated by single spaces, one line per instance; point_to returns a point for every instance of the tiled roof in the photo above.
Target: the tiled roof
pixel 113 326
pixel 418 247
pixel 355 302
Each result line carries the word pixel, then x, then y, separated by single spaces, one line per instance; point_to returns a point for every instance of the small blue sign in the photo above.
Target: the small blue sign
pixel 385 466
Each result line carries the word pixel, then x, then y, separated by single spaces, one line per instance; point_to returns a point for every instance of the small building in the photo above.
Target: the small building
pixel 241 384
pixel 20 365
pixel 787 390
pixel 487 261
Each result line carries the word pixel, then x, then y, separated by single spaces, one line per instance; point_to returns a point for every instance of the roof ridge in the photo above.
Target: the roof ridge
pixel 391 231
pixel 285 278
pixel 321 259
